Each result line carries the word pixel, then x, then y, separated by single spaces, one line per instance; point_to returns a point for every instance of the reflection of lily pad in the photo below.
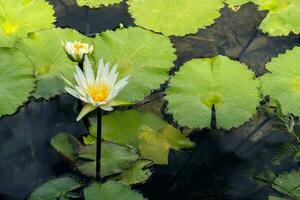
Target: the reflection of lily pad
pixel 145 56
pixel 44 48
pixel 17 80
pixel 156 145
pixel 19 17
pixel 283 83
pixel 123 127
pixel 219 81
pixel 54 189
pixel 114 159
pixel 97 3
pixel 111 190
pixel 175 18
pixel 282 17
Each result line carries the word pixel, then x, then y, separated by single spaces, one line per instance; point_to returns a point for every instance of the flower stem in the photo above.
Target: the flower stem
pixel 98 145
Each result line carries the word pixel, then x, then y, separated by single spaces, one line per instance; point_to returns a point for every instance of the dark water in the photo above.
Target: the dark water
pixel 223 164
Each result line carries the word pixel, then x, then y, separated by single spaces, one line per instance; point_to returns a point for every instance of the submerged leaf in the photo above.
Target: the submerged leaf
pixel 45 49
pixel 145 56
pixel 111 190
pixel 54 189
pixel 138 173
pixel 97 3
pixel 282 84
pixel 19 17
pixel 218 81
pixel 123 127
pixel 288 183
pixel 17 80
pixel 175 17
pixel 156 145
pixel 66 144
pixel 114 159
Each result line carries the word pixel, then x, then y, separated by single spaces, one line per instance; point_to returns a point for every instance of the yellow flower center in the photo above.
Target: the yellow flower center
pixel 9 28
pixel 78 47
pixel 99 92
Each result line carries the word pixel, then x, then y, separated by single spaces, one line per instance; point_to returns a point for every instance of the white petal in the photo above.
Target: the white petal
pixel 72 92
pixel 107 108
pixel 80 78
pixel 99 71
pixel 88 71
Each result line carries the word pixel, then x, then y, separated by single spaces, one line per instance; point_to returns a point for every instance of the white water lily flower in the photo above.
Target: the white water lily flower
pixel 77 50
pixel 96 91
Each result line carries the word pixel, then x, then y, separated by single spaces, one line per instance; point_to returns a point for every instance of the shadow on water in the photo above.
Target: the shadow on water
pixel 26 156
pixel 222 165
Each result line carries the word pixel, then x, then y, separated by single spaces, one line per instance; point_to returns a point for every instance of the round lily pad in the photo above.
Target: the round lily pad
pixel 282 84
pixel 282 17
pixel 19 17
pixel 45 49
pixel 145 56
pixel 97 3
pixel 17 80
pixel 218 81
pixel 175 17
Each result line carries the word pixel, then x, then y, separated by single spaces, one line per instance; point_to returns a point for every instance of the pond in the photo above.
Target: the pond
pixel 209 110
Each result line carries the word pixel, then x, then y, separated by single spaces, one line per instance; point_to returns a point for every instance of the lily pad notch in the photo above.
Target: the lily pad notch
pixel 218 82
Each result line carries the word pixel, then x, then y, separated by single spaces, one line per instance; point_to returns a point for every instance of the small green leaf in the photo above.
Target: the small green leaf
pixel 114 159
pixel 54 189
pixel 175 17
pixel 218 81
pixel 145 56
pixel 156 145
pixel 111 190
pixel 17 80
pixel 282 84
pixel 138 173
pixel 66 144
pixel 122 127
pixel 85 110
pixel 97 3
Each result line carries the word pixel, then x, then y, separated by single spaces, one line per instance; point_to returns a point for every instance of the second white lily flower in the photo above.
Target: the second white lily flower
pixel 77 50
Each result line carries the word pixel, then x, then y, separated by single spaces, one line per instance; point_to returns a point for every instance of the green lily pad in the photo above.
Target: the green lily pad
pixel 138 173
pixel 175 17
pixel 45 49
pixel 123 127
pixel 111 190
pixel 97 3
pixel 54 189
pixel 218 81
pixel 145 56
pixel 66 144
pixel 288 183
pixel 282 17
pixel 114 159
pixel 282 84
pixel 156 145
pixel 17 80
pixel 19 17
